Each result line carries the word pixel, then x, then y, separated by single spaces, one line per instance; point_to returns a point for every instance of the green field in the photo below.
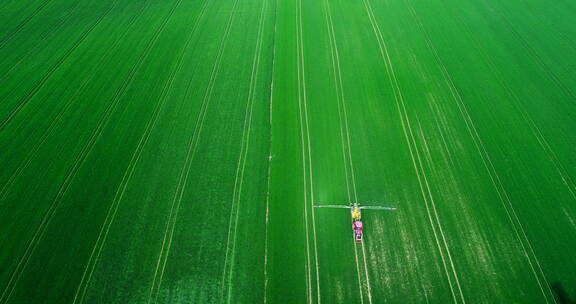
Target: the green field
pixel 171 151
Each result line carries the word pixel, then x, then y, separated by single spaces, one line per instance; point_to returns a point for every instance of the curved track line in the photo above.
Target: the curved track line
pixel 536 132
pixel 242 158
pixel 299 72
pixel 29 156
pixel 311 179
pixel 53 69
pixel 271 94
pixel 482 151
pixel 340 96
pixel 440 123
pixel 79 162
pixel 21 25
pixel 192 145
pixel 548 151
pixel 45 36
pixel 406 122
pixel 39 231
pixel 567 90
pixel 103 235
pixel 425 146
pixel 366 272
pixel 266 233
pixel 348 157
pixel 303 99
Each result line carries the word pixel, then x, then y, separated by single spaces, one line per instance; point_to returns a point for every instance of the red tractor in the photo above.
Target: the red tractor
pixel 355 210
pixel 357 227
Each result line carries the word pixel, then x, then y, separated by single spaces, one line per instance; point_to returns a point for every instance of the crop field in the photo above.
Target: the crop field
pixel 171 151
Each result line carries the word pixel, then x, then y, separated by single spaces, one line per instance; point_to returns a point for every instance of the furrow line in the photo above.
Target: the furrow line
pixel 21 25
pixel 501 193
pixel 439 118
pixel 79 162
pixel 111 215
pixel 504 194
pixel 192 145
pixel 56 28
pixel 311 179
pixel 340 99
pixel 482 151
pixel 436 216
pixel 30 155
pixel 366 272
pixel 306 137
pixel 299 76
pixel 536 132
pixel 266 230
pixel 55 67
pixel 534 54
pixel 240 168
pixel 407 129
pixel 268 177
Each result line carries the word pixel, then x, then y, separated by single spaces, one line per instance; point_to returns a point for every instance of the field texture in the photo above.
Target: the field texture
pixel 171 151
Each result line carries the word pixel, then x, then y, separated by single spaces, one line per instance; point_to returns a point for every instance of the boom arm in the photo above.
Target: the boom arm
pixel 377 207
pixel 333 206
pixel 352 206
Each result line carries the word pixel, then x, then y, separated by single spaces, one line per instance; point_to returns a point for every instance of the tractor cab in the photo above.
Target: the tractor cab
pixel 357 227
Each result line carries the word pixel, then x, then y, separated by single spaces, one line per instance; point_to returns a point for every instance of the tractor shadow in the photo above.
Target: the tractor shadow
pixel 561 294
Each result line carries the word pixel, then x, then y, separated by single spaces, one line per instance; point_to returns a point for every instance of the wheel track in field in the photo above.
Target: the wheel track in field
pixel 268 177
pixel 305 141
pixel 266 228
pixel 415 156
pixel 347 157
pixel 79 161
pixel 494 177
pixel 308 270
pixel 535 56
pixel 192 145
pixel 481 145
pixel 536 131
pixel 441 124
pixel 241 165
pixel 9 36
pixel 534 128
pixel 21 25
pixel 24 101
pixel 30 155
pixel 520 107
pixel 128 174
pixel 44 37
pixel 561 35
